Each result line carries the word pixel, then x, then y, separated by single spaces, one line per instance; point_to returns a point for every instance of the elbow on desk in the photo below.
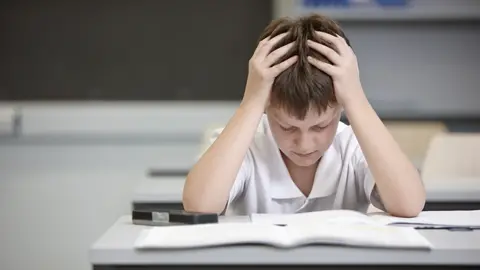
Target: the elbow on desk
pixel 405 201
pixel 407 210
pixel 199 207
pixel 197 204
pixel 199 199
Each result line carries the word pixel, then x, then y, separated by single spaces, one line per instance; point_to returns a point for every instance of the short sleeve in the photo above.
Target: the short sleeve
pixel 244 173
pixel 364 176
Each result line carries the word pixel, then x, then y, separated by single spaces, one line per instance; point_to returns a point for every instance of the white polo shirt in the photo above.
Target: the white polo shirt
pixel 263 184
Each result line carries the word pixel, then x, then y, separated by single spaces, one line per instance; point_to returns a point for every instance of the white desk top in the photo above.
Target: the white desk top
pixel 169 190
pixel 115 247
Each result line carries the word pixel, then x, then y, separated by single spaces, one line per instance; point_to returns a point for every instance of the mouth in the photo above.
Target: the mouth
pixel 306 154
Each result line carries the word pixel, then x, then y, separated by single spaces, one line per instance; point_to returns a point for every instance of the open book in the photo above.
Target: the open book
pixel 335 228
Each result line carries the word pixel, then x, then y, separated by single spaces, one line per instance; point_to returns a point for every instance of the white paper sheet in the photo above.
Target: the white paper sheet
pixel 427 218
pixel 443 218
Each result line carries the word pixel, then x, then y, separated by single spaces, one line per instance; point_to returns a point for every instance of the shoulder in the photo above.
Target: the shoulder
pixel 344 135
pixel 263 144
pixel 346 143
pixel 260 142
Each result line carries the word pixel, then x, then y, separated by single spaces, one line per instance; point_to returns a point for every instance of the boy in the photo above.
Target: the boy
pixel 285 149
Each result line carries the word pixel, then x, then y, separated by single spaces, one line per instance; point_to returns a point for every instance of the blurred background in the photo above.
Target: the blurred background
pixel 94 95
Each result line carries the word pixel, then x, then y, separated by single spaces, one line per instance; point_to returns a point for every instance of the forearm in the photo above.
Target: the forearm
pixel 397 180
pixel 209 182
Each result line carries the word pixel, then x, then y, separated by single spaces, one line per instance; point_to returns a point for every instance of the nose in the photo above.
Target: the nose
pixel 304 143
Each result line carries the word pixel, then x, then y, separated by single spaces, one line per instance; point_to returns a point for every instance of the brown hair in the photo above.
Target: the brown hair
pixel 302 86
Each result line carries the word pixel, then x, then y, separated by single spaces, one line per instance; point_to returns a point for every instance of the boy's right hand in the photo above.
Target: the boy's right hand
pixel 262 72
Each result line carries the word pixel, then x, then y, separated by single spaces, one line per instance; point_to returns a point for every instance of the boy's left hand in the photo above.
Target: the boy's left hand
pixel 343 70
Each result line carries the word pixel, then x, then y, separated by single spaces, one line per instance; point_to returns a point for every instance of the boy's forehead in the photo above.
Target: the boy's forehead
pixel 312 117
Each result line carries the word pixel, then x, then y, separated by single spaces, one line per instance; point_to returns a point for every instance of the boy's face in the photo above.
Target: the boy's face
pixel 304 141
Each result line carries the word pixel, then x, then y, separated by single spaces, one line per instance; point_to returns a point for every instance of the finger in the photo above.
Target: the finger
pixel 343 40
pixel 323 66
pixel 260 45
pixel 335 40
pixel 328 52
pixel 277 54
pixel 282 66
pixel 265 49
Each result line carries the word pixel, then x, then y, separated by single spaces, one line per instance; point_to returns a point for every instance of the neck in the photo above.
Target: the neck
pixel 303 177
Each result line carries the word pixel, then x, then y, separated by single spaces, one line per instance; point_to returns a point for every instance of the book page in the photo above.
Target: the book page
pixel 205 235
pixel 323 217
pixel 439 218
pixel 362 235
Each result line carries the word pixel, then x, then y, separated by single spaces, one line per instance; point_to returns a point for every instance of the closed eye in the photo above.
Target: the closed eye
pixel 289 129
pixel 318 128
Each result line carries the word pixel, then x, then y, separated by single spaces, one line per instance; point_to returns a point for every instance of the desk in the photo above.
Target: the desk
pixel 166 193
pixel 446 196
pixel 114 250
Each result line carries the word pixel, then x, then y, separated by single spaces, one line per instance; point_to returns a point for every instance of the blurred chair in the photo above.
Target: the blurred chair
pixel 452 156
pixel 414 137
